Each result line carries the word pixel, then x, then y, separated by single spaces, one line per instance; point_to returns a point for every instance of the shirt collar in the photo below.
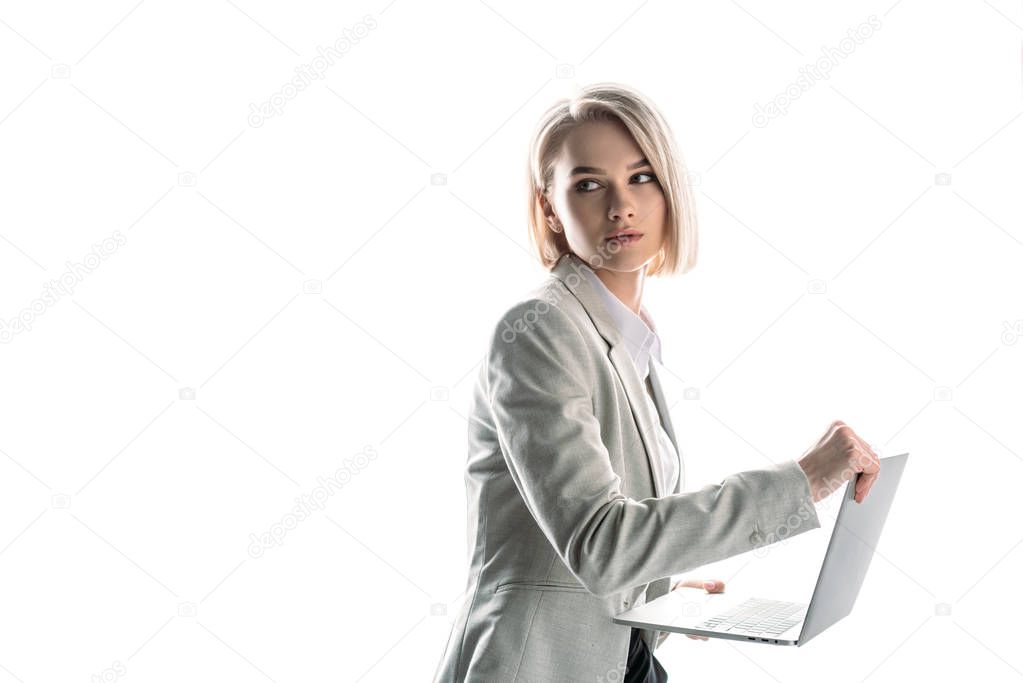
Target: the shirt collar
pixel 640 333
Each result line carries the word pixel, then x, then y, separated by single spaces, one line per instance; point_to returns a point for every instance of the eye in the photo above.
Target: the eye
pixel 579 186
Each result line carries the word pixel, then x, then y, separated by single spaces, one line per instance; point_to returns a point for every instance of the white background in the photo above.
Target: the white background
pixel 290 295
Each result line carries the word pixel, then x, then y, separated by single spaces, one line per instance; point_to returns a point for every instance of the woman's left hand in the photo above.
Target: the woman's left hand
pixel 709 585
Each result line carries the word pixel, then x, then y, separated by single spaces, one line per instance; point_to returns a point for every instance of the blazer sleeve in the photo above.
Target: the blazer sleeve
pixel 539 382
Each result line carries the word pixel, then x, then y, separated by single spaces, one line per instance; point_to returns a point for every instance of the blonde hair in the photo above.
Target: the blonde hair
pixel 602 102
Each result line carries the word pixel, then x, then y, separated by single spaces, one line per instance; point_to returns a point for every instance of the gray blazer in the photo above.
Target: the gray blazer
pixel 566 525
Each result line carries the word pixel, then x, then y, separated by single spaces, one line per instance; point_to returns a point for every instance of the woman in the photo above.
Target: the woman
pixel 574 479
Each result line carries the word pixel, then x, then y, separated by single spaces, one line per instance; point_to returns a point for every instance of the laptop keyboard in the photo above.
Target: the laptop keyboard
pixel 757 616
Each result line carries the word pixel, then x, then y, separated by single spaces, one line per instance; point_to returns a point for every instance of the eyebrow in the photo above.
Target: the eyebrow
pixel 593 169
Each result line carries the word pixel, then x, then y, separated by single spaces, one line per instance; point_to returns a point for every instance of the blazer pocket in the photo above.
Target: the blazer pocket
pixel 539 586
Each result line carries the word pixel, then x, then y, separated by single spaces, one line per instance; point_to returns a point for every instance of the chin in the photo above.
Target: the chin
pixel 629 261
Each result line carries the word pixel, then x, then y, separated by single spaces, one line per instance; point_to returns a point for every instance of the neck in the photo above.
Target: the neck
pixel 627 286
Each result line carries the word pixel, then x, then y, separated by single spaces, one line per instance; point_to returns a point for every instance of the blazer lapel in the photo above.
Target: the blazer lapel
pixel 662 408
pixel 575 274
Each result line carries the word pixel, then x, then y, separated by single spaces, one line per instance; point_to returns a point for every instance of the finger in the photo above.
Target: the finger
pixel 709 585
pixel 866 481
pixel 864 458
pixel 861 451
pixel 872 465
pixel 860 465
pixel 869 465
pixel 697 637
pixel 863 486
pixel 867 459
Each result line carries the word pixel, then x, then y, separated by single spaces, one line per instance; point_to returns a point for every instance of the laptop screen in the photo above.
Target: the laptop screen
pixel 857 530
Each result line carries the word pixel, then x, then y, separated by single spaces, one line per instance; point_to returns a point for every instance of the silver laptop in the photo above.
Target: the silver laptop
pixel 857 530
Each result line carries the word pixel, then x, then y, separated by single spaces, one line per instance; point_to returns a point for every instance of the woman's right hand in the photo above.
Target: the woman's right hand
pixel 836 458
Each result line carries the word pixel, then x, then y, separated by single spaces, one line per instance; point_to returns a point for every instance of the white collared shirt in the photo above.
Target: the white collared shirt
pixel 644 346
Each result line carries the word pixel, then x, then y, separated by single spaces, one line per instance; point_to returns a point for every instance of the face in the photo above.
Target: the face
pixel 601 185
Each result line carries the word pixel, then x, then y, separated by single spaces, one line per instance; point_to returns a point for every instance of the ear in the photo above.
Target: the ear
pixel 548 212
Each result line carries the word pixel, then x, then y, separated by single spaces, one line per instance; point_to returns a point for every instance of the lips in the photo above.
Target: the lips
pixel 624 232
pixel 628 236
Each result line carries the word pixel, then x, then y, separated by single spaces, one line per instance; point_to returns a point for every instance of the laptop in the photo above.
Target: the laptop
pixel 775 622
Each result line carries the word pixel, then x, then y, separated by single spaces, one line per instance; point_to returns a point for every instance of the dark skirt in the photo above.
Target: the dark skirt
pixel 642 666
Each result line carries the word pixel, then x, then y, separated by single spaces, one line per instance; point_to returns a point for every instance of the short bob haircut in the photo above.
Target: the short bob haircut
pixel 608 101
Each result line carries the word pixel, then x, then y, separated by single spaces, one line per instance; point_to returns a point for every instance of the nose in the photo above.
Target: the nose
pixel 621 207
